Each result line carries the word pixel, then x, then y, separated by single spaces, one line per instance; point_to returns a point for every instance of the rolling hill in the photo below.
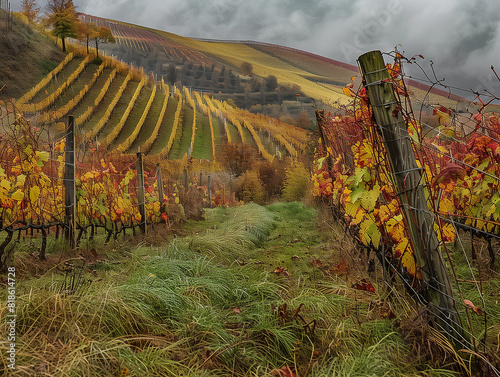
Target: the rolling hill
pixel 180 96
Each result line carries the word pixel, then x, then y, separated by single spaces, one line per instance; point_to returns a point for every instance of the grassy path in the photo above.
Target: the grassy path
pixel 250 291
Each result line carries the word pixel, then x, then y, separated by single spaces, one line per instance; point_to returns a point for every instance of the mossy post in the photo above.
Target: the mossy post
pixel 436 291
pixel 141 196
pixel 69 182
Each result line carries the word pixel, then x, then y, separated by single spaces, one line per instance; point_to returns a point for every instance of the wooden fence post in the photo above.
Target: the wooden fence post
pixel 159 183
pixel 69 182
pixel 141 196
pixel 436 291
pixel 209 184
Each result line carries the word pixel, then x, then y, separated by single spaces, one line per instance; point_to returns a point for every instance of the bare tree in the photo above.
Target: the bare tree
pixel 30 10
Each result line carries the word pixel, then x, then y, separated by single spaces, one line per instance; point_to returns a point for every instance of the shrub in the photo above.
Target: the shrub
pixel 249 188
pixel 272 175
pixel 297 182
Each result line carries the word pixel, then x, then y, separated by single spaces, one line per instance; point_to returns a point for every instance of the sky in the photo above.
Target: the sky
pixel 460 37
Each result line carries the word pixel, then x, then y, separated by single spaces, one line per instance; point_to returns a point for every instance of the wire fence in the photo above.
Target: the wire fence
pixel 34 182
pixel 457 148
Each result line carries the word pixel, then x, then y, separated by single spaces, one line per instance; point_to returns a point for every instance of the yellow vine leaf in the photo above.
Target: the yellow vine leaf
pixel 369 232
pixel 449 233
pixel 402 247
pixel 446 206
pixel 395 228
pixel 346 91
pixel 18 195
pixel 369 198
pixel 408 262
pixel 34 193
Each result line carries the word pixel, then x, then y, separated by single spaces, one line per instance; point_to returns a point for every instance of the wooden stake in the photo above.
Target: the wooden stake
pixel 141 196
pixel 69 182
pixel 436 292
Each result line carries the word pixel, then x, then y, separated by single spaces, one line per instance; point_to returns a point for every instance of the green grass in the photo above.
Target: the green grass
pixel 210 304
pixel 100 110
pixel 218 132
pixel 119 109
pixel 89 98
pixel 134 117
pixel 57 81
pixel 182 140
pixel 150 121
pixel 165 128
pixel 82 80
pixel 248 137
pixel 202 138
pixel 233 133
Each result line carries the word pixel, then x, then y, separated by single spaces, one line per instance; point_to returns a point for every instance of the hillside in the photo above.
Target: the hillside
pixel 188 98
pixel 26 56
pixel 117 107
pixel 215 66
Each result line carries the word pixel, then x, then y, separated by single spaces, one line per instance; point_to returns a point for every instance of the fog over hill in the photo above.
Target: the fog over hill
pixel 461 37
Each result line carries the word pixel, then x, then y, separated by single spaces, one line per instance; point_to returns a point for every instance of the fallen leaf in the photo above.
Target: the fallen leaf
pixel 340 268
pixel 283 372
pixel 475 308
pixel 365 286
pixel 281 270
pixel 317 263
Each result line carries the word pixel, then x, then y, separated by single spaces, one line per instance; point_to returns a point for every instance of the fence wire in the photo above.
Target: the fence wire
pixel 443 137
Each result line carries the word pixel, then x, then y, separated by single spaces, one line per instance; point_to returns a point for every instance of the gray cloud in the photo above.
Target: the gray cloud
pixel 462 37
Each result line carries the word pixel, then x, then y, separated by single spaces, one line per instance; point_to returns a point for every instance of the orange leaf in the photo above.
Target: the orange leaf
pixel 347 92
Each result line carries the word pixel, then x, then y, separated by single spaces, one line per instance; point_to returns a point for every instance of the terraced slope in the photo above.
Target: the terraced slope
pixel 122 109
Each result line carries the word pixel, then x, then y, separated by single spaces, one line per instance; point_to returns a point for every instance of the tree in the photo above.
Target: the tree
pixel 63 20
pixel 271 83
pixel 30 10
pixel 237 157
pixel 102 35
pixel 302 120
pixel 86 32
pixel 246 69
pixel 172 74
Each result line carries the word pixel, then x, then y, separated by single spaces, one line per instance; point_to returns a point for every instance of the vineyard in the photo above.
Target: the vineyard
pixel 418 187
pixel 393 272
pixel 118 114
pixel 118 107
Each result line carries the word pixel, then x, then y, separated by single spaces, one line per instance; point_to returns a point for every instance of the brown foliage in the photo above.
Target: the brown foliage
pixel 237 157
pixel 272 175
pixel 246 69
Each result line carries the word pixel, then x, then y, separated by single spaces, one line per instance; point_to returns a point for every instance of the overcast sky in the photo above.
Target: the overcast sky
pixel 461 37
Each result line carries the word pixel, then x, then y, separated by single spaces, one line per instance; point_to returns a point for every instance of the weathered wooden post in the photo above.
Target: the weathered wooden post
pixel 159 182
pixel 141 196
pixel 69 182
pixel 436 291
pixel 209 189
